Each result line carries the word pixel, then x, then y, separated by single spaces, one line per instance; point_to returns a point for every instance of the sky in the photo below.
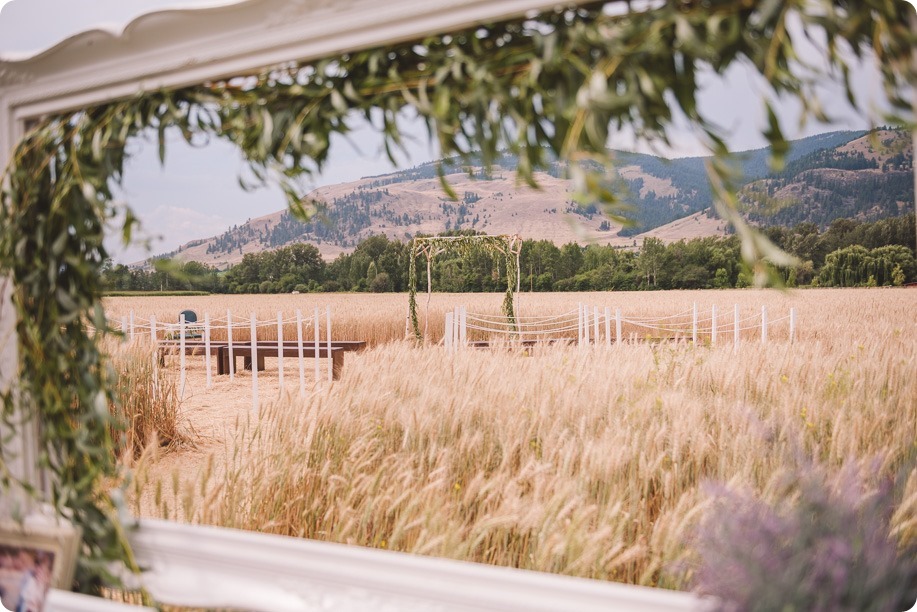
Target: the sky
pixel 196 193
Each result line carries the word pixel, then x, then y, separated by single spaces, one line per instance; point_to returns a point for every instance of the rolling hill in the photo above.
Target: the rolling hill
pixel 840 174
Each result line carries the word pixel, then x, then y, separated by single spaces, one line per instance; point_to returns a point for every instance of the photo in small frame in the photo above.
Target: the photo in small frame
pixel 33 559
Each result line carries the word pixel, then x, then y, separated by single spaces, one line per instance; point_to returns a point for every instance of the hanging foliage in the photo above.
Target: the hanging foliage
pixel 464 246
pixel 539 87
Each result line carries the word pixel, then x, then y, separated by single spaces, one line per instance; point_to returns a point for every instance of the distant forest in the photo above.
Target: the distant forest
pixel 847 253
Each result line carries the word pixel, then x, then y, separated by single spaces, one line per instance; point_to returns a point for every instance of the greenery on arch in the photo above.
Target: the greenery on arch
pixel 552 84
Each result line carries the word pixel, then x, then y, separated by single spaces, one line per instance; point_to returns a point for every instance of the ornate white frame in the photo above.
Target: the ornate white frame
pixel 183 46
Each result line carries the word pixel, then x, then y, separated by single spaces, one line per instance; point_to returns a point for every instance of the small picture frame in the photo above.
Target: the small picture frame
pixel 34 557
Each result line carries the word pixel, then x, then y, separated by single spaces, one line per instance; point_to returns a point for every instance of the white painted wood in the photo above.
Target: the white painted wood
pixel 132 325
pixel 65 601
pixel 694 323
pixel 212 567
pixel 207 350
pixel 253 342
pixel 579 323
pixel 232 359
pixel 280 351
pixel 154 341
pixel 463 329
pixel 713 325
pixel 18 454
pixel 586 324
pixel 448 332
pixel 595 323
pixel 183 47
pixel 317 342
pixel 618 326
pixel 330 359
pixel 299 354
pixel 181 356
pixel 607 326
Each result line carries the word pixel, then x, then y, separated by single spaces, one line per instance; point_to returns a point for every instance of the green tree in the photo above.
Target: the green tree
pixel 381 283
pixel 651 258
pixel 721 279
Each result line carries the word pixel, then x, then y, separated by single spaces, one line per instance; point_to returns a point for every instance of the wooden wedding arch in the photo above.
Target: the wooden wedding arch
pixel 429 247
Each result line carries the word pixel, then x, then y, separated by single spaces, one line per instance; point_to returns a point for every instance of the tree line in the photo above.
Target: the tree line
pixel 846 253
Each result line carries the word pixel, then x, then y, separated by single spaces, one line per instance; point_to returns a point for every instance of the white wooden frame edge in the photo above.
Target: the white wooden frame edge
pixel 248 570
pixel 65 601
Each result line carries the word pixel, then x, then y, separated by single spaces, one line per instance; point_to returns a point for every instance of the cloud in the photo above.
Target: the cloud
pixel 164 229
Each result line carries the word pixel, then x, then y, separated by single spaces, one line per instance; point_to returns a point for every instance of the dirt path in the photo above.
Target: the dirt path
pixel 212 418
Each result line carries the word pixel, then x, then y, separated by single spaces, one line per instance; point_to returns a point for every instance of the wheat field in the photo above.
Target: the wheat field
pixel 584 461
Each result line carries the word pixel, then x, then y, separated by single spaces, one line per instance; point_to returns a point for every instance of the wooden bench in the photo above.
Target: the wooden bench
pixel 271 350
pixel 192 347
pixel 345 345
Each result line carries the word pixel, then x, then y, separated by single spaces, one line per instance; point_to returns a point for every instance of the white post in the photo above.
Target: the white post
pixel 713 326
pixel 207 348
pixel 586 324
pixel 155 341
pixel 232 359
pixel 579 323
pixel 792 325
pixel 328 330
pixel 694 324
pixel 132 325
pixel 124 330
pixel 317 344
pixel 280 351
pixel 302 367
pixel 447 333
pixel 254 346
pixel 181 358
pixel 764 325
pixel 607 326
pixel 735 328
pixel 464 326
pixel 618 326
pixel 595 323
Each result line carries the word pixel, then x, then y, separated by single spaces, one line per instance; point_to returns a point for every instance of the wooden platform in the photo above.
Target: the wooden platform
pixel 264 349
pixel 271 350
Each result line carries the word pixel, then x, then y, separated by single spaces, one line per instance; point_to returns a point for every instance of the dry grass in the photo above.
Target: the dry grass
pixel 146 405
pixel 582 462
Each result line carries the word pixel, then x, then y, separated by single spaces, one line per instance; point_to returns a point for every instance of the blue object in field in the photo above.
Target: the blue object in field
pixel 190 316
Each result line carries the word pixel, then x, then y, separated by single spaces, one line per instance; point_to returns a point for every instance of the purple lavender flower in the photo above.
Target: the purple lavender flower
pixel 823 545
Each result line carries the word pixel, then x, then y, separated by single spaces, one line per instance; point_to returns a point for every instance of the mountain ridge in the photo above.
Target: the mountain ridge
pixel 670 199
